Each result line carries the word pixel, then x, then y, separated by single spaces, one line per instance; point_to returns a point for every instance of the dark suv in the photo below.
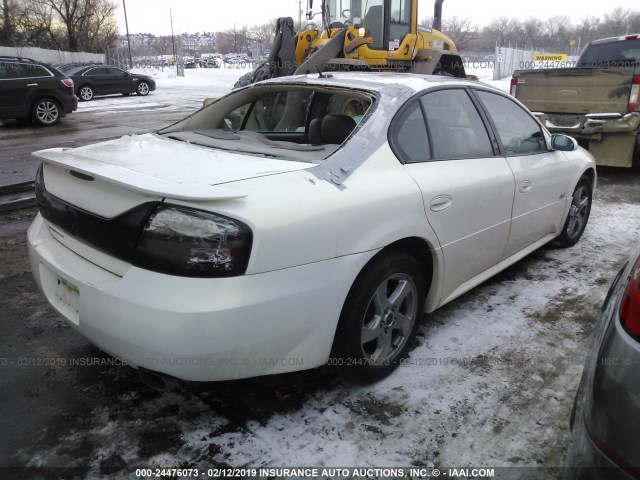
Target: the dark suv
pixel 33 90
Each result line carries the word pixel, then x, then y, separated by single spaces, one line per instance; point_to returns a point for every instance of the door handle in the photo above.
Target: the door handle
pixel 441 202
pixel 525 186
pixel 32 84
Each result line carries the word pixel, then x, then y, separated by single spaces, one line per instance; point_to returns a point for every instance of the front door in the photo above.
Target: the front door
pixel 542 175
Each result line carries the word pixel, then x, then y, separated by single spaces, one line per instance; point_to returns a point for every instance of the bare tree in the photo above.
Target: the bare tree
pixel 530 32
pixel 74 25
pixel 263 34
pixel 8 30
pixel 461 30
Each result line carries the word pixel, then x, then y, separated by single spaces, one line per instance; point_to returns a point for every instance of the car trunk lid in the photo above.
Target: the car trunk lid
pixel 110 177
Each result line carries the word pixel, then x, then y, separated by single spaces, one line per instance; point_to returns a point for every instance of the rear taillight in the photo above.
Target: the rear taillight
pixel 634 96
pixel 631 37
pixel 514 83
pixel 67 82
pixel 187 242
pixel 630 305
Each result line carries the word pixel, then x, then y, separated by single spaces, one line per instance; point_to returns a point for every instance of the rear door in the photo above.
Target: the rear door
pixel 467 187
pixel 97 76
pixel 542 176
pixel 119 81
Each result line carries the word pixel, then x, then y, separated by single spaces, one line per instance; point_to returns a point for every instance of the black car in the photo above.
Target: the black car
pixel 94 80
pixel 33 90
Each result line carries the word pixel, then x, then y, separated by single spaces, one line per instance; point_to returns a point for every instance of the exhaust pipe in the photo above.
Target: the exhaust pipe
pixel 157 381
pixel 437 15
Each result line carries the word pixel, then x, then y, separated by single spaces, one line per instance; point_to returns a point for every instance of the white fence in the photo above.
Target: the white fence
pixel 51 56
pixel 510 59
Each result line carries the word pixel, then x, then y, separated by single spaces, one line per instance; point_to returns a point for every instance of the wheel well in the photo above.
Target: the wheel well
pixel 591 175
pixel 46 97
pixel 419 249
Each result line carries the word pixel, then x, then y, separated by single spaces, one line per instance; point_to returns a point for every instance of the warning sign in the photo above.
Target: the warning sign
pixel 549 57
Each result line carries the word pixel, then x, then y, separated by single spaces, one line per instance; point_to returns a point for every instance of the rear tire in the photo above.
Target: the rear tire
pixel 380 317
pixel 46 112
pixel 578 214
pixel 142 88
pixel 85 93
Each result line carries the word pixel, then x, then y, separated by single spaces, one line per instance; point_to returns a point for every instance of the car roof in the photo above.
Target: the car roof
pixel 376 81
pixel 632 36
pixel 8 58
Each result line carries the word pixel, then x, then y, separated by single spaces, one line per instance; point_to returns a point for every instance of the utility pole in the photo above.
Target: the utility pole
pixel 299 15
pixel 126 23
pixel 173 41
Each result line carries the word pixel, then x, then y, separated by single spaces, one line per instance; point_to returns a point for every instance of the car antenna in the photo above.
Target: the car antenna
pixel 320 75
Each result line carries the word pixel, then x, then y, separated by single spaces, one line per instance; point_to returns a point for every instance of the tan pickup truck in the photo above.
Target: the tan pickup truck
pixel 597 102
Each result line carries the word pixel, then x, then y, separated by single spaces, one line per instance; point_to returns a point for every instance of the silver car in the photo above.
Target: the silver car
pixel 605 442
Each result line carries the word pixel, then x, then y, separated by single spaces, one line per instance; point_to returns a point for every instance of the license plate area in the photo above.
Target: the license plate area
pixel 67 300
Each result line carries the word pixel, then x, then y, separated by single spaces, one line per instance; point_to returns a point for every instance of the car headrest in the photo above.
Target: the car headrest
pixel 336 128
pixel 314 136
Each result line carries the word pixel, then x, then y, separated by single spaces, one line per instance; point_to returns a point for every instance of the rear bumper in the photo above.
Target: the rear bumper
pixel 71 105
pixel 197 329
pixel 610 137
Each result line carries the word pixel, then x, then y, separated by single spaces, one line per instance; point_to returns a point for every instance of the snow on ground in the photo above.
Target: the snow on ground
pixel 490 382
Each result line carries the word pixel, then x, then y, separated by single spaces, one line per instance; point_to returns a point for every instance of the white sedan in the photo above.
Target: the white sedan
pixel 300 221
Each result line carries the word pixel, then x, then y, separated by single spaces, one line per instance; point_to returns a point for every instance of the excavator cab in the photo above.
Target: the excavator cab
pixel 386 22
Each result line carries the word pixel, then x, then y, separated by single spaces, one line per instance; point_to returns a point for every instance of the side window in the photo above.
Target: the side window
pixel 116 72
pixel 232 121
pixel 409 136
pixel 519 132
pixel 17 70
pixel 8 70
pixel 456 128
pixel 39 71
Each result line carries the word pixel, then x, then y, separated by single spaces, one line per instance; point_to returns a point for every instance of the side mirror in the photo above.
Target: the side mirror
pixel 125 74
pixel 564 143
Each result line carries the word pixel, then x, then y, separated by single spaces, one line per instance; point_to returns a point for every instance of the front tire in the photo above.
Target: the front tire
pixel 578 214
pixel 380 317
pixel 142 88
pixel 46 112
pixel 85 93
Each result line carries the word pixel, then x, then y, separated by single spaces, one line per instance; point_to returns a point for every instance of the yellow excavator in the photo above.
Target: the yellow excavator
pixel 365 35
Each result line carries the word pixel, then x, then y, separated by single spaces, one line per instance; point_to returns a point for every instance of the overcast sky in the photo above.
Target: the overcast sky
pixel 216 15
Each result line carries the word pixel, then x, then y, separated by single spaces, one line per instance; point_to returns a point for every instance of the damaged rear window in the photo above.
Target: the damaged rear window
pixel 290 122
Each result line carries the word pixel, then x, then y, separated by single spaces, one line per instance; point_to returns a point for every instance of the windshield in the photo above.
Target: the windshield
pixel 624 53
pixel 349 12
pixel 290 122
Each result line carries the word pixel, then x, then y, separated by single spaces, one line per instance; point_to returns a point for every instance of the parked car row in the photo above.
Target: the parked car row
pixel 31 90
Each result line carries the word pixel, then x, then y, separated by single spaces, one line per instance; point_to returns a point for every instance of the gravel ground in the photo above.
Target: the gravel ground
pixel 490 383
